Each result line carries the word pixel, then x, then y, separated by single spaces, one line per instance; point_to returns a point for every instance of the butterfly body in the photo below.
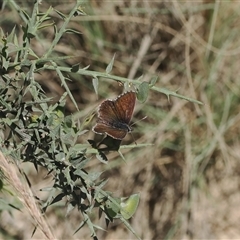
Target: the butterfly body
pixel 114 116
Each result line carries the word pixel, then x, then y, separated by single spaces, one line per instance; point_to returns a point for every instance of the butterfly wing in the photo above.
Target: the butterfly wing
pixel 107 112
pixel 124 106
pixel 103 128
pixel 114 116
pixel 107 121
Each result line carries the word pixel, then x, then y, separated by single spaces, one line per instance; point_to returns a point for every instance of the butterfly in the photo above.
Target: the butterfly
pixel 114 116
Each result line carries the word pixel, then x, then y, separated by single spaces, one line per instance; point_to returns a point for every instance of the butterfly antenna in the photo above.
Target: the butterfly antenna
pixel 139 120
pixel 134 124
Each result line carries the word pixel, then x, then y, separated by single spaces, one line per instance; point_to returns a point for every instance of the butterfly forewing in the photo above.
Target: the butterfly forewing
pixel 125 105
pixel 107 111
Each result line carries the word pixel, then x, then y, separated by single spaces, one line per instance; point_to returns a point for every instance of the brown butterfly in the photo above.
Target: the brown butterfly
pixel 114 116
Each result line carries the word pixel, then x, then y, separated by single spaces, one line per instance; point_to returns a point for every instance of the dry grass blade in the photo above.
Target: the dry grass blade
pixel 25 195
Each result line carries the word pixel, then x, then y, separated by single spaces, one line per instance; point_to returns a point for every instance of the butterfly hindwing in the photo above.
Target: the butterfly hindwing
pixel 116 133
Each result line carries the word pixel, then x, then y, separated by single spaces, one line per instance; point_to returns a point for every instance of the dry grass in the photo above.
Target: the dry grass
pixel 26 197
pixel 189 178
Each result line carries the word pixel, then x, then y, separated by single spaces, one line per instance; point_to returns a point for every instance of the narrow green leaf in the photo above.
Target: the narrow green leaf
pixel 12 35
pixel 45 16
pixel 79 11
pixel 95 84
pixel 65 85
pixel 94 175
pixel 46 25
pixel 81 164
pixel 99 228
pixel 129 227
pixel 5 64
pixel 72 31
pixel 85 68
pixel 153 81
pixel 60 14
pixel 25 14
pixel 81 225
pixel 88 119
pixel 15 40
pixel 102 183
pixel 102 157
pixel 55 29
pixel 110 65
